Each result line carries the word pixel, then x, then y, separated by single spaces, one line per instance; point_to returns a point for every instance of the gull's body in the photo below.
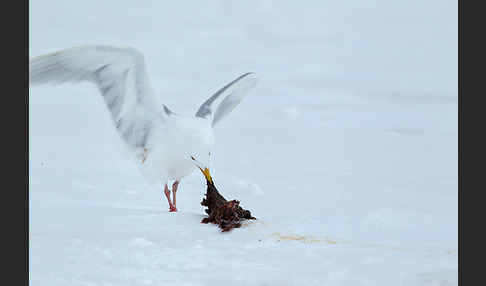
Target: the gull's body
pixel 164 144
pixel 189 136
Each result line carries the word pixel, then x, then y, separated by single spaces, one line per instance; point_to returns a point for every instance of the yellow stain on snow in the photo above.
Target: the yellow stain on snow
pixel 252 224
pixel 302 238
pixel 144 155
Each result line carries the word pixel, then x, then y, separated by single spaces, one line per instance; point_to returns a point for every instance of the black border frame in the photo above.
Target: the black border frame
pixel 15 118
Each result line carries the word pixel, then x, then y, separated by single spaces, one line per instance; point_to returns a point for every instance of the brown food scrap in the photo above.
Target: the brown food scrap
pixel 226 214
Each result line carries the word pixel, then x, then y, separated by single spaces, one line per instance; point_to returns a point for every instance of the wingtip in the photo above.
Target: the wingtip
pixel 249 75
pixel 252 76
pixel 167 110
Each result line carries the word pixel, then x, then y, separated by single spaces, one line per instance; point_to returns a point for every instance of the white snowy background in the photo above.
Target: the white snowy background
pixel 346 151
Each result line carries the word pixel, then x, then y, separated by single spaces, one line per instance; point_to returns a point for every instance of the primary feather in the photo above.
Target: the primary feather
pixel 121 77
pixel 232 94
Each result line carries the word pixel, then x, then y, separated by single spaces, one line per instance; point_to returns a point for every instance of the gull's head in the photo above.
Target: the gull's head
pixel 203 166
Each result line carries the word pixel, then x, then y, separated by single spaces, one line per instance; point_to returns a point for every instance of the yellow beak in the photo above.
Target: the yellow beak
pixel 206 174
pixel 205 171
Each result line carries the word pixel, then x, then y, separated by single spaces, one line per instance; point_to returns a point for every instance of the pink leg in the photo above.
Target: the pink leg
pixel 174 190
pixel 167 194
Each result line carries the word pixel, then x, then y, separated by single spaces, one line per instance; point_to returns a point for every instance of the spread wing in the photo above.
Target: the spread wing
pixel 121 77
pixel 231 94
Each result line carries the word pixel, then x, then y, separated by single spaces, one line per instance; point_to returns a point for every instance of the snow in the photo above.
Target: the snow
pixel 346 151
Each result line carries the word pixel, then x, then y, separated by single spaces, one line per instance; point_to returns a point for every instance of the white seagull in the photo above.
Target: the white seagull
pixel 166 145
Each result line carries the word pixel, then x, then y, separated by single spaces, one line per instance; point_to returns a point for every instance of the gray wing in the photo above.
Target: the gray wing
pixel 231 94
pixel 121 77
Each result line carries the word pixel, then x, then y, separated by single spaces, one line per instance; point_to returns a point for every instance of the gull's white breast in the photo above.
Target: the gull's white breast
pixel 171 147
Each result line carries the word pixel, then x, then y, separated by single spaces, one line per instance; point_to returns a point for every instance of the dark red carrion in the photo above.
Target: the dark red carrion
pixel 226 214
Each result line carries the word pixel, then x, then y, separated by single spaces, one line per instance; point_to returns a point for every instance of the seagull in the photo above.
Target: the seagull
pixel 165 145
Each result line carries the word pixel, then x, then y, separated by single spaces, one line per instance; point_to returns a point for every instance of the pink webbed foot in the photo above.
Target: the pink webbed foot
pixel 174 191
pixel 172 203
pixel 172 207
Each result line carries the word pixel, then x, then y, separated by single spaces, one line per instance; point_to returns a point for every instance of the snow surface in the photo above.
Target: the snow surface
pixel 346 151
